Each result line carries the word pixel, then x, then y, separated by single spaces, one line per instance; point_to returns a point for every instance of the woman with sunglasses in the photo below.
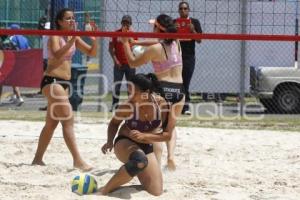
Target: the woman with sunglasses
pixel 55 86
pixel 167 64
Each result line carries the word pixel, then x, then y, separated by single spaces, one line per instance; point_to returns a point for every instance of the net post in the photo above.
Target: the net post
pixel 6 12
pixel 101 57
pixel 243 58
pixel 66 3
pixel 296 33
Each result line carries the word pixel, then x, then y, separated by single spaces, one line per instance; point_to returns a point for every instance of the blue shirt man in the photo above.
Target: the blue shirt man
pixel 19 40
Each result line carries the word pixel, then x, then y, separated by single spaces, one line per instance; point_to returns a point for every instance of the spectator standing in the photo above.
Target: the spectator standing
pixel 5 44
pixel 89 25
pixel 188 51
pixel 21 43
pixel 121 66
pixel 44 24
pixel 45 46
pixel 20 40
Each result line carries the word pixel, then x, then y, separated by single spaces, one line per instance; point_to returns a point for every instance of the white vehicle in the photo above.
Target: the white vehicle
pixel 277 88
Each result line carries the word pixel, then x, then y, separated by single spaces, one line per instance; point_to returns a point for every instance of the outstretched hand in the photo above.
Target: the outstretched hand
pixel 107 147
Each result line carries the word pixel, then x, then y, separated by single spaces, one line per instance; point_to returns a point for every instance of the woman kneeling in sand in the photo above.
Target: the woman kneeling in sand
pixel 146 117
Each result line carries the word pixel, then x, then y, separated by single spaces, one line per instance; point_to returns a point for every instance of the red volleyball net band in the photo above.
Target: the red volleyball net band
pixel 237 36
pixel 109 34
pixel 19 68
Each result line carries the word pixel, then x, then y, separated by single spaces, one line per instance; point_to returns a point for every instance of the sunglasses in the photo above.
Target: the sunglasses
pixel 183 8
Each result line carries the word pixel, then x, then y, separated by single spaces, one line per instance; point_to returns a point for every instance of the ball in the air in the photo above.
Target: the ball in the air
pixel 84 184
pixel 137 50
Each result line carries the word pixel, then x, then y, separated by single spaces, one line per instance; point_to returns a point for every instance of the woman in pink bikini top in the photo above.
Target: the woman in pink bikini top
pixel 55 84
pixel 68 55
pixel 167 65
pixel 173 58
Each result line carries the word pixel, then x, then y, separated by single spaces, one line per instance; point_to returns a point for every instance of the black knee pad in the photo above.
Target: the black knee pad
pixel 138 161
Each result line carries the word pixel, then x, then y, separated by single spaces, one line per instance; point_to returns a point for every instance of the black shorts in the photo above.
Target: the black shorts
pixel 147 148
pixel 49 80
pixel 172 92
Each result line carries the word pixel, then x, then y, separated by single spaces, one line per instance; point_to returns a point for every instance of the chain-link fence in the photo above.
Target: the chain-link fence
pixel 225 70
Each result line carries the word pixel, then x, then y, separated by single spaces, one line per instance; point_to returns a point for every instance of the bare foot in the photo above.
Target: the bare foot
pixel 171 165
pixel 38 162
pixel 84 167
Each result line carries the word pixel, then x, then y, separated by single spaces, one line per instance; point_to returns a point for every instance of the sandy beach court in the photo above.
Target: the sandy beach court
pixel 213 164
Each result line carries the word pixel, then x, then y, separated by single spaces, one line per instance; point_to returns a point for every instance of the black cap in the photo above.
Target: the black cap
pixel 127 18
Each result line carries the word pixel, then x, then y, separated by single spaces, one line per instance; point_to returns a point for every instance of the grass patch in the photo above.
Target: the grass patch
pixel 105 98
pixel 269 122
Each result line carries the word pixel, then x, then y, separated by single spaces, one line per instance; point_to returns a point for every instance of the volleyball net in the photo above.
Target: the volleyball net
pixel 237 35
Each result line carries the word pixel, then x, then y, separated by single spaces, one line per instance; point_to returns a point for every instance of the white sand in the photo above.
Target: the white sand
pixel 212 164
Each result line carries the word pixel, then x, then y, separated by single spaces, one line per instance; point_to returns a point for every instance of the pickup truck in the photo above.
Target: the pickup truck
pixel 277 88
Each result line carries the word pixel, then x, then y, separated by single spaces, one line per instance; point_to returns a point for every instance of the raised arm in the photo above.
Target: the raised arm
pixel 149 54
pixel 90 50
pixel 58 51
pixel 147 42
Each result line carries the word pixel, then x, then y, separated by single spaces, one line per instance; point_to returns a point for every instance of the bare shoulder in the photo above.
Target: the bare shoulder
pixel 153 49
pixel 124 109
pixel 156 46
pixel 54 37
pixel 152 53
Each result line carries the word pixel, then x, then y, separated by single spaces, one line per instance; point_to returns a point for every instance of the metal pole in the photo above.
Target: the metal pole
pixel 66 3
pixel 243 59
pixel 6 13
pixel 101 57
pixel 52 14
pixel 296 33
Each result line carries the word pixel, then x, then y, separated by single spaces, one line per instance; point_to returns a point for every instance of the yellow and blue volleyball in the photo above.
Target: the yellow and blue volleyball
pixel 84 184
